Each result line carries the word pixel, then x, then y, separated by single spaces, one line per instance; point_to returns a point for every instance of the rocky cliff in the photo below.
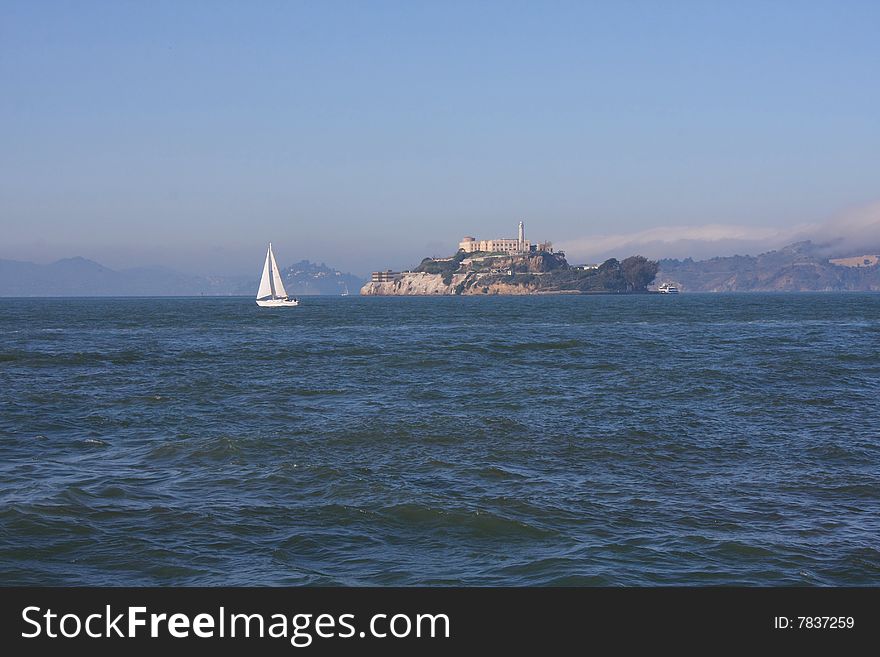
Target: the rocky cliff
pixel 415 283
pixel 423 284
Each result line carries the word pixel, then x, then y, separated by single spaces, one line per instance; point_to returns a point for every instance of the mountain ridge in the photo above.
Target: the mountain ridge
pixel 798 267
pixel 79 276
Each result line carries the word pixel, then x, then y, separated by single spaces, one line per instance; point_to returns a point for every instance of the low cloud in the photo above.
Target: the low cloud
pixel 852 233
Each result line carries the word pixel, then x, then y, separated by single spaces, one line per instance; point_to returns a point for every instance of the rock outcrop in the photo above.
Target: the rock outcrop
pixel 413 283
pixel 471 283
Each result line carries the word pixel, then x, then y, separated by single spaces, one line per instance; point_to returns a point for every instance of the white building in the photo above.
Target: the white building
pixel 503 245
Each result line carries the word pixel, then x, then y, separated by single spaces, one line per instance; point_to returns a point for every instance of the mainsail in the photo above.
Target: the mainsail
pixel 280 292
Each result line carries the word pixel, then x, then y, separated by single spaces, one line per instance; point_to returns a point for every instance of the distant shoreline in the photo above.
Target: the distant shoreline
pixel 567 293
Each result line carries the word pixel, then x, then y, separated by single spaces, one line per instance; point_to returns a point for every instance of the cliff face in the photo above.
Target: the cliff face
pixel 422 284
pixel 418 283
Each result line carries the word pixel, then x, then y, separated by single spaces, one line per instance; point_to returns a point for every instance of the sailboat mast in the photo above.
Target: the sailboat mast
pixel 271 272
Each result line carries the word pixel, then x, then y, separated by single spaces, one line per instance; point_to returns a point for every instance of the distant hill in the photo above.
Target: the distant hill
pixel 83 277
pixel 799 267
pixel 306 277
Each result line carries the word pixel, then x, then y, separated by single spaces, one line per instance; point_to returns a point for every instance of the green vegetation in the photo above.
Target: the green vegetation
pixel 444 267
pixel 638 272
pixel 544 272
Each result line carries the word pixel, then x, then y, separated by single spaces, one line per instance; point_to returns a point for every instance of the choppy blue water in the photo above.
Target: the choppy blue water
pixel 697 439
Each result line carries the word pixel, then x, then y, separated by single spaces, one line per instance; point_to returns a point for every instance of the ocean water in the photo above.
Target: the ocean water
pixel 601 440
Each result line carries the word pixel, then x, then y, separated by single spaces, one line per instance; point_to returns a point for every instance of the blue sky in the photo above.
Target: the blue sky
pixel 369 134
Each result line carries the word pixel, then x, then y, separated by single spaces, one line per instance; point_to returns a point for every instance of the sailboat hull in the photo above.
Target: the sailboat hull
pixel 277 303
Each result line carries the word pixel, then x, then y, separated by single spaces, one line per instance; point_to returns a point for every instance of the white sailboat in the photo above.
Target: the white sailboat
pixel 272 293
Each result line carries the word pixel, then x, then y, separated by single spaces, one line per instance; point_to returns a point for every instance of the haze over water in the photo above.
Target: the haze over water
pixel 697 439
pixel 369 136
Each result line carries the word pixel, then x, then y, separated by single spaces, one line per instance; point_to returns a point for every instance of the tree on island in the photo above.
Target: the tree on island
pixel 638 272
pixel 609 276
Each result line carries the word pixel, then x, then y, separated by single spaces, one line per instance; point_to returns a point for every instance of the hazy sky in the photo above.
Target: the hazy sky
pixel 369 134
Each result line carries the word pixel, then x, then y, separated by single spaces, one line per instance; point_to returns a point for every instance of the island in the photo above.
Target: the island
pixel 513 266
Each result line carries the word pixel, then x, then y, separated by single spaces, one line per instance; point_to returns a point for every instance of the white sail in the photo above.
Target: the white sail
pixel 276 277
pixel 272 293
pixel 265 290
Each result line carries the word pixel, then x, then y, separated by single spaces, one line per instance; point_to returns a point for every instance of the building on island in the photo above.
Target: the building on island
pixel 386 276
pixel 857 261
pixel 504 246
pixel 470 244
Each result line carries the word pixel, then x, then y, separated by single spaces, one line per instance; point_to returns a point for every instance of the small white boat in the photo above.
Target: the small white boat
pixel 667 288
pixel 272 293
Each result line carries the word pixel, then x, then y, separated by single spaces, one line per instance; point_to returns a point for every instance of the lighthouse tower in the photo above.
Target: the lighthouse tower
pixel 521 238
